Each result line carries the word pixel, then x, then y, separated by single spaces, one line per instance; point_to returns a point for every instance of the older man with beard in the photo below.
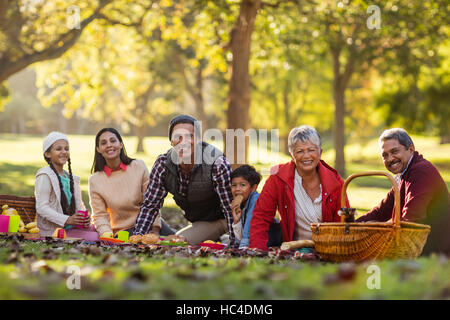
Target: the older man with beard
pixel 424 196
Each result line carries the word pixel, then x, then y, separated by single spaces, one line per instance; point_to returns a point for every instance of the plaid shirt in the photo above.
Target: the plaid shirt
pixel 156 192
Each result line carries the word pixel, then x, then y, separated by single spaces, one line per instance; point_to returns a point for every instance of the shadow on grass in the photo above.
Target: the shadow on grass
pixel 15 179
pixel 370 181
pixel 14 137
pixel 442 164
pixel 367 161
pixel 18 180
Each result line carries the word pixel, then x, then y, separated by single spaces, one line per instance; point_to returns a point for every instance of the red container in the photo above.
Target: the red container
pixel 85 214
pixel 61 233
pixel 215 246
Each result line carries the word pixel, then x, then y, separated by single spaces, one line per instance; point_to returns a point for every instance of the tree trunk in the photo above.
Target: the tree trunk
pixel 196 90
pixel 81 129
pixel 197 95
pixel 287 118
pixel 339 130
pixel 141 114
pixel 239 87
pixel 444 139
pixel 340 83
pixel 62 120
pixel 140 133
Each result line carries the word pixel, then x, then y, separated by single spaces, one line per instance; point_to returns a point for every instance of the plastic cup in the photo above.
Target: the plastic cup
pixel 61 233
pixel 123 235
pixel 85 214
pixel 4 223
pixel 14 222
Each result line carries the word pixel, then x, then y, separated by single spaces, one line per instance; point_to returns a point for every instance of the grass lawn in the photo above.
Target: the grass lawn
pixel 30 270
pixel 21 157
pixel 37 270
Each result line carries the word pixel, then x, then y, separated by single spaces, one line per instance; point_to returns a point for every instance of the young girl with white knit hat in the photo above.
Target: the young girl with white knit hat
pixel 58 193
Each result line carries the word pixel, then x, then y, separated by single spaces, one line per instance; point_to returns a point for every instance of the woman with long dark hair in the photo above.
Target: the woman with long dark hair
pixel 117 187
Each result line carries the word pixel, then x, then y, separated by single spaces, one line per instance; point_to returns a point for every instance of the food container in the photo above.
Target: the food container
pixel 215 246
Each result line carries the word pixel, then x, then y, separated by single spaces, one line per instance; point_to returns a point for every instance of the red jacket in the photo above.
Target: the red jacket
pixel 278 193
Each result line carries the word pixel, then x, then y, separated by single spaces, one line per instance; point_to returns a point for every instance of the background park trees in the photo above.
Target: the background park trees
pixel 336 65
pixel 31 31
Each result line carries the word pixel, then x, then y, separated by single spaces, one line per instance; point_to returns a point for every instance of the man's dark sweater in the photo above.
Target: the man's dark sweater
pixel 424 198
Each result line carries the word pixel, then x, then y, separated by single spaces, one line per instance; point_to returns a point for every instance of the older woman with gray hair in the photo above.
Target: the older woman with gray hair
pixel 305 190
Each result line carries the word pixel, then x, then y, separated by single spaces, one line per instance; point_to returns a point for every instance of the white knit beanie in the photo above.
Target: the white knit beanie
pixel 52 138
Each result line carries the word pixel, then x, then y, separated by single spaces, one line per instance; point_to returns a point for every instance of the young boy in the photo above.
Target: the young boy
pixel 244 182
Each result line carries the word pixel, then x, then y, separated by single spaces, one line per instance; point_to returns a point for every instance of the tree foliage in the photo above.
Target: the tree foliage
pixel 356 45
pixel 33 31
pixel 272 64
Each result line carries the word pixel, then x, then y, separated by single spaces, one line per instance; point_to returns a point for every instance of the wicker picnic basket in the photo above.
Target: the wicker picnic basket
pixel 25 206
pixel 340 242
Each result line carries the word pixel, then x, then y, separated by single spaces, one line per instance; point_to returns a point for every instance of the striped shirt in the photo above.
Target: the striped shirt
pixel 156 192
pixel 306 210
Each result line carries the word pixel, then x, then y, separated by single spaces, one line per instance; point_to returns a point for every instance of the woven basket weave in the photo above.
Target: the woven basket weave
pixel 25 206
pixel 340 242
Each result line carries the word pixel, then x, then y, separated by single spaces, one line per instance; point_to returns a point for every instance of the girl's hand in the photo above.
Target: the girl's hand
pixel 237 212
pixel 87 222
pixel 77 219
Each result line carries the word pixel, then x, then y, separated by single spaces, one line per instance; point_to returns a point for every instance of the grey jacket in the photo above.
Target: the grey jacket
pixel 49 213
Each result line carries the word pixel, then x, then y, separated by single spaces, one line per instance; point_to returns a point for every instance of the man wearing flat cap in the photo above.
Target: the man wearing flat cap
pixel 198 176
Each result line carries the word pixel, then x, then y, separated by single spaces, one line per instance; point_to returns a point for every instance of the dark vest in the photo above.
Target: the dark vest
pixel 201 202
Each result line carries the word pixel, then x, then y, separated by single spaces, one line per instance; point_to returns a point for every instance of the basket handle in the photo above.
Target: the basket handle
pixel 375 173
